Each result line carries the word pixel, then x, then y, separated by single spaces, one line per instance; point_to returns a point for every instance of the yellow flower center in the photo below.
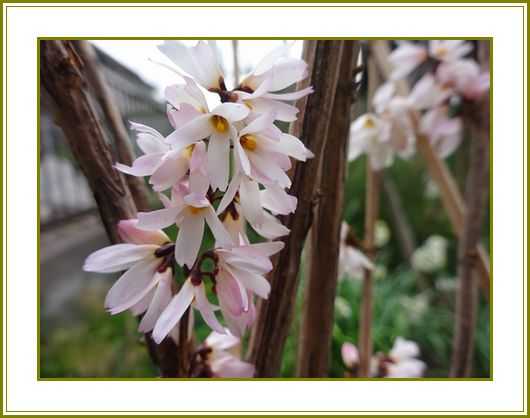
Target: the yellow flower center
pixel 194 210
pixel 369 123
pixel 186 152
pixel 219 123
pixel 248 142
pixel 441 52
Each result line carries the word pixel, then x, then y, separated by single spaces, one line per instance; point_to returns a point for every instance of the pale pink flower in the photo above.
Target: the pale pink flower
pixel 404 362
pixel 239 323
pixel 165 165
pixel 223 359
pixel 262 151
pixel 350 355
pixel 199 61
pixel 218 127
pixel 369 135
pixel 399 128
pixel 428 93
pixel 240 274
pixel 192 293
pixel 464 77
pixel 153 304
pixel 144 257
pixel 444 133
pixel 189 213
pixel 405 58
pixel 275 72
pixel 382 96
pixel 235 225
pixel 352 262
pixel 448 49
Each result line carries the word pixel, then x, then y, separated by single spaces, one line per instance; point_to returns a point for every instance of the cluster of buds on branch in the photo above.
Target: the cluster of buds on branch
pixel 223 165
pixel 450 81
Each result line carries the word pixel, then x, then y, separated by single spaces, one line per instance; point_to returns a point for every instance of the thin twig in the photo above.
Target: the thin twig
pixel 373 179
pixel 235 54
pixel 477 117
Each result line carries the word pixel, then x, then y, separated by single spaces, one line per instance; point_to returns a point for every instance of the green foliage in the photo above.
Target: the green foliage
pixel 401 308
pixel 96 345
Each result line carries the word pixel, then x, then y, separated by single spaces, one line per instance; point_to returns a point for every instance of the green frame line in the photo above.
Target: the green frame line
pixel 526 252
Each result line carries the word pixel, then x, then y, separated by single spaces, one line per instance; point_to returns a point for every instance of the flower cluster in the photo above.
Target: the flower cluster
pixel 224 165
pixel 352 262
pixel 430 109
pixel 401 361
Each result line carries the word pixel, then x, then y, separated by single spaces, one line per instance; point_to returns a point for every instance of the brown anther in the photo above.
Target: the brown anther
pixel 195 278
pixel 165 249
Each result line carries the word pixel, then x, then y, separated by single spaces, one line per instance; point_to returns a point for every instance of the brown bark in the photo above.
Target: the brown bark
pixel 467 294
pixel 122 144
pixel 275 315
pixel 477 184
pixel 317 315
pixel 452 199
pixel 62 76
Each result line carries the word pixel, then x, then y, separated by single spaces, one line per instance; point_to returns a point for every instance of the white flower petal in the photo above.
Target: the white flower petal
pixel 230 193
pixel 232 112
pixel 251 281
pixel 275 199
pixel 132 286
pixel 172 169
pixel 159 302
pixel 158 219
pixel 173 312
pixel 218 161
pixel 250 201
pixel 191 132
pixel 206 310
pixel 189 239
pixel 221 235
pixel 142 166
pixel 118 257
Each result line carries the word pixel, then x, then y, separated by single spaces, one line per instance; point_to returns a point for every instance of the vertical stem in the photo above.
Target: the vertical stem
pixel 370 217
pixel 235 53
pixel 317 314
pixel 275 315
pixel 477 117
pixel 400 221
pixel 365 328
